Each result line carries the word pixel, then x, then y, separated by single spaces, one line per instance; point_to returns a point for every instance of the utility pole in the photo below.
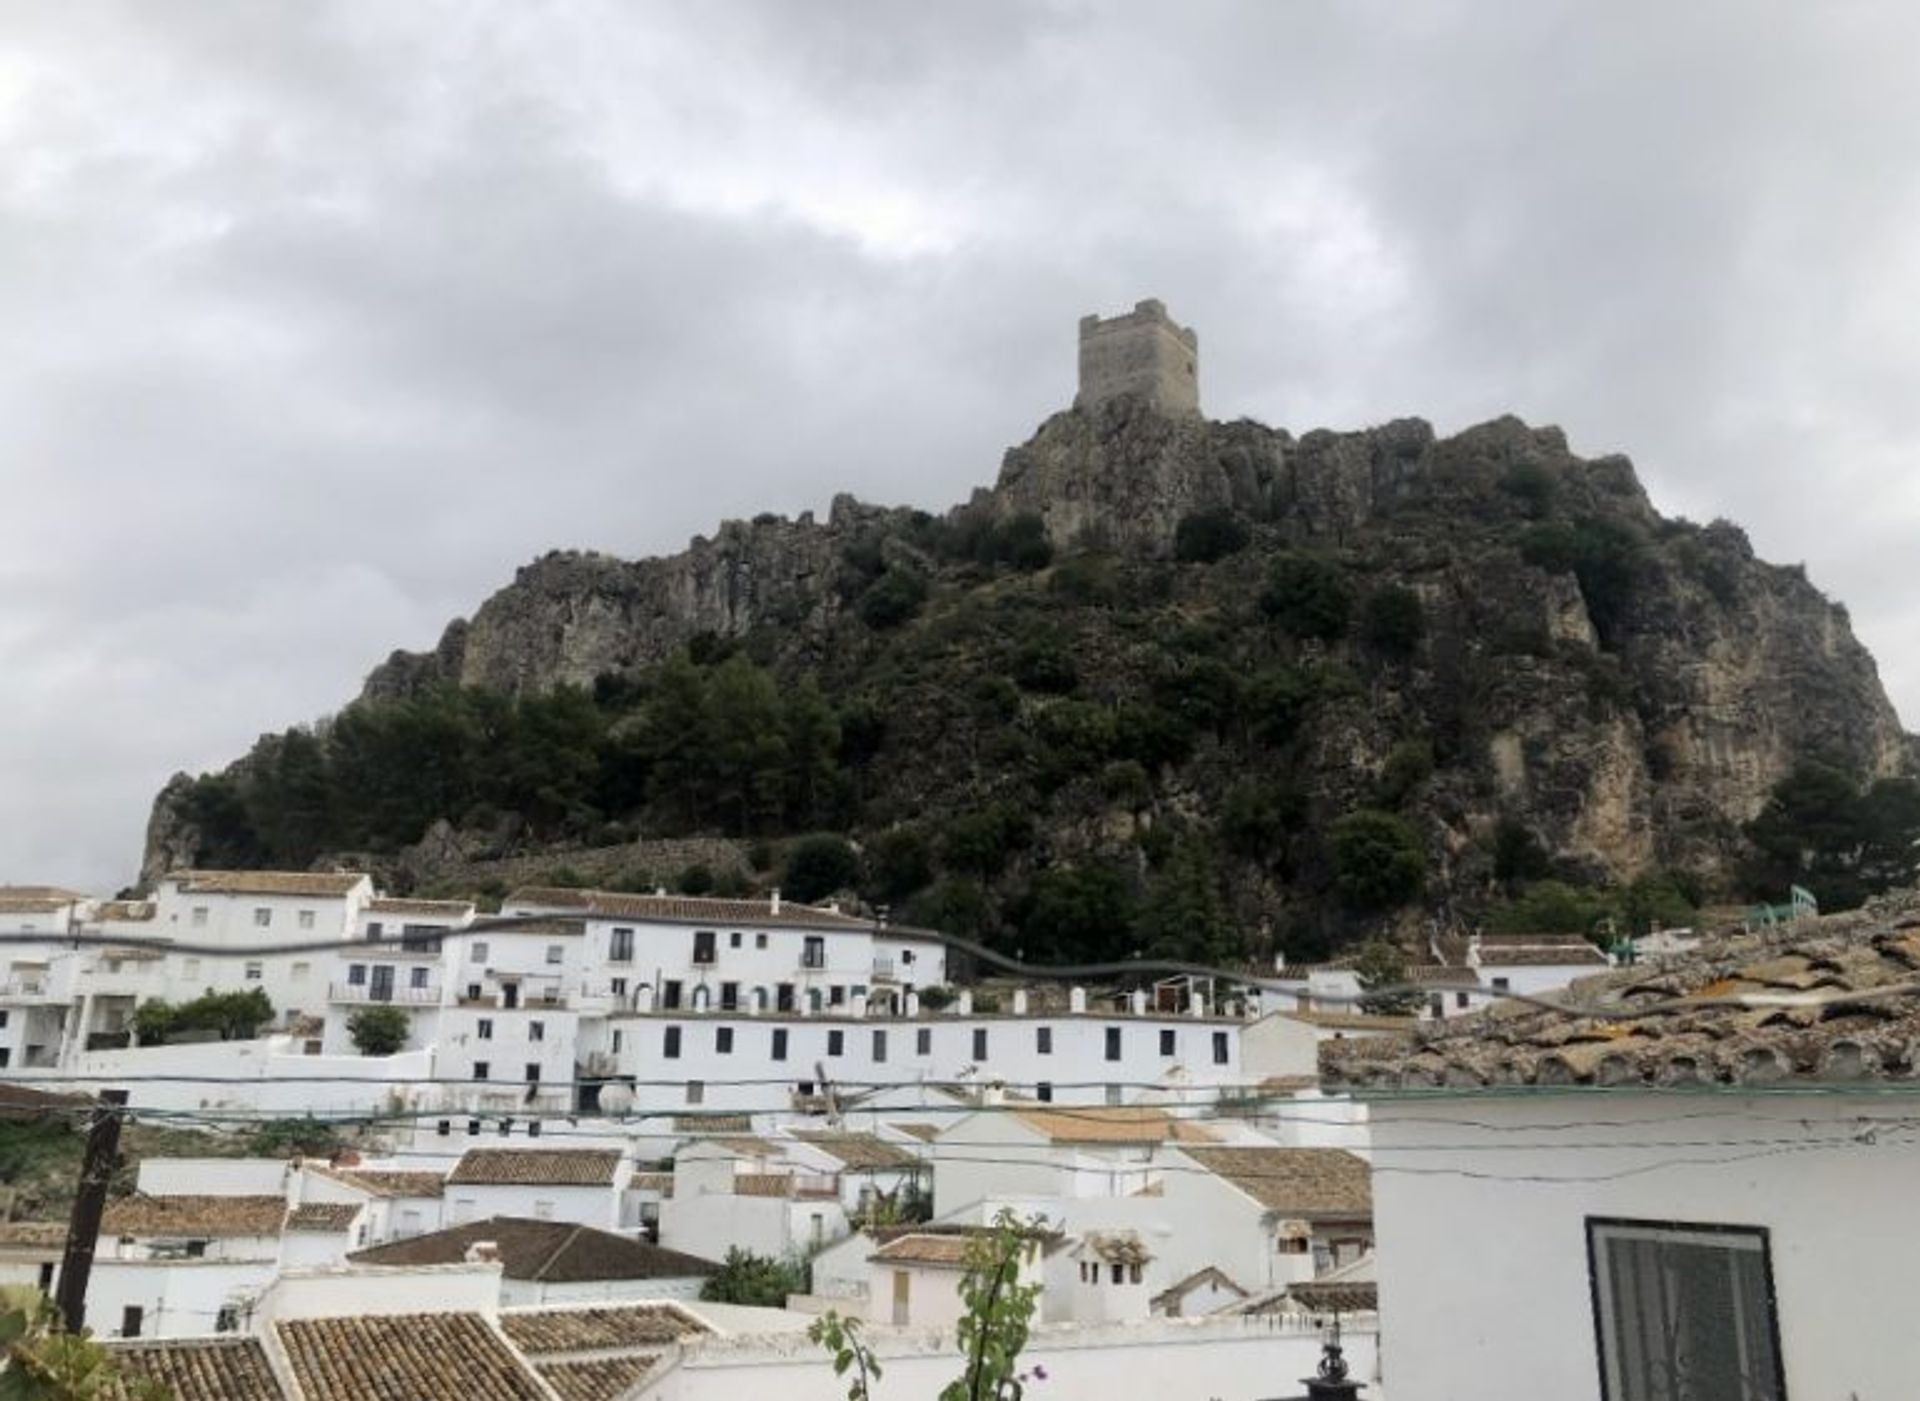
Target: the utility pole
pixel 89 1203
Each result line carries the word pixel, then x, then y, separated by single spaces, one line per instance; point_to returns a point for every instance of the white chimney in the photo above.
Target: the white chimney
pixel 484 1252
pixel 773 901
pixel 1198 1005
pixel 1020 1003
pixel 859 1004
pixel 659 892
pixel 913 1003
pixel 1137 1003
pixel 993 1092
pixel 643 999
pixel 1077 1000
pixel 965 1004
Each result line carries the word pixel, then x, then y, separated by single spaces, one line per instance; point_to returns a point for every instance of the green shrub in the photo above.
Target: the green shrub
pixel 1307 596
pixel 378 1031
pixel 1379 862
pixel 1409 764
pixel 818 866
pixel 892 599
pixel 1045 665
pixel 746 1278
pixel 1392 621
pixel 1258 815
pixel 899 862
pixel 1204 537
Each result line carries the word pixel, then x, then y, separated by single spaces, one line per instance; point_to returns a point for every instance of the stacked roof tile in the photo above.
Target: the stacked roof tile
pixel 197 1369
pixel 1303 1182
pixel 536 1167
pixel 419 1357
pixel 858 1152
pixel 554 1251
pixel 194 1216
pixel 540 1331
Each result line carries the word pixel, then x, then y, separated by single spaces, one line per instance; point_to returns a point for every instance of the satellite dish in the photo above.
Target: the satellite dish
pixel 616 1098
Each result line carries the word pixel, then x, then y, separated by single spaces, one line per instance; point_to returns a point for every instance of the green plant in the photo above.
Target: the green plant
pixel 1307 596
pixel 818 866
pixel 286 1138
pixel 378 1031
pixel 1382 970
pixel 44 1362
pixel 892 599
pixel 1203 537
pixel 1378 860
pixel 1393 621
pixel 849 1351
pixel 1000 1311
pixel 746 1278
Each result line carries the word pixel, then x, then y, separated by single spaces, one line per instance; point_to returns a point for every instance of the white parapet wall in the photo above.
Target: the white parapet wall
pixel 268 1076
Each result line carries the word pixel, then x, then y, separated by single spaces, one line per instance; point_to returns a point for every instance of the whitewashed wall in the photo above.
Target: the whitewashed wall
pixel 1484 1280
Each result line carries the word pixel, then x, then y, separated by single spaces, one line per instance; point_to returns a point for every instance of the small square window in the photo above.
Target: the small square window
pixel 618 987
pixel 620 946
pixel 478 953
pixel 306 919
pixel 733 939
pixel 254 972
pixel 356 975
pixel 417 978
pixel 556 953
pixel 375 929
pixel 759 941
pixel 696 1092
pixel 533 1072
pixel 1043 1092
pixel 262 916
pixel 199 917
pixel 481 1069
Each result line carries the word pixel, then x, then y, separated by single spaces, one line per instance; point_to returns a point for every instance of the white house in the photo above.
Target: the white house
pixel 1699 1185
pixel 739 1192
pixel 914 1279
pixel 1046 1151
pixel 583 1185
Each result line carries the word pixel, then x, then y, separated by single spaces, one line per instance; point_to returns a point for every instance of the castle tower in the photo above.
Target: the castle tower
pixel 1141 352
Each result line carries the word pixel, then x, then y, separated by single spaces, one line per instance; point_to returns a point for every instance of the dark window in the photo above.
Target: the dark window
pixel 533 1072
pixel 836 994
pixel 759 941
pixel 923 1041
pixel 473 1127
pixel 1501 985
pixel 1043 1040
pixel 879 1045
pixel 780 1043
pixel 131 1317
pixel 1043 1092
pixel 483 1029
pixel 836 1042
pixel 733 939
pixel 504 1128
pixel 373 929
pixel 1166 1041
pixel 670 1045
pixel 620 946
pixel 705 946
pixel 1436 1005
pixel 444 1127
pixel 618 987
pixel 1460 999
pixel 696 1092
pixel 536 1031
pixel 670 994
pixel 196 1250
pixel 481 1069
pixel 979 1043
pixel 46 1276
pixel 356 975
pixel 723 1040
pixel 533 1128
pixel 813 952
pixel 1113 1043
pixel 420 938
pixel 729 997
pixel 783 997
pixel 1684 1312
pixel 1220 1048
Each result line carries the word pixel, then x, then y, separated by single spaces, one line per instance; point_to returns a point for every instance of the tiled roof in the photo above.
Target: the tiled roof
pixel 763 1184
pixel 661 1182
pixel 1545 956
pixel 601 1379
pixel 536 1167
pixel 58 894
pixel 1117 1247
pixel 858 1151
pixel 685 909
pixel 554 1251
pixel 313 883
pixel 323 1216
pixel 33 1235
pixel 1304 1182
pixel 1442 975
pixel 740 1145
pixel 1113 1125
pixel 539 1331
pixel 124 911
pixel 407 1357
pixel 389 905
pixel 1352 1021
pixel 713 1123
pixel 1830 1000
pixel 943 1250
pixel 926 1133
pixel 194 1216
pixel 197 1369
pixel 31 905
pixel 1336 1296
pixel 384 1182
pixel 1174 1293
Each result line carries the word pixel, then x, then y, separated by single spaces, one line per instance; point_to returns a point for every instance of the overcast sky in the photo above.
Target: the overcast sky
pixel 316 320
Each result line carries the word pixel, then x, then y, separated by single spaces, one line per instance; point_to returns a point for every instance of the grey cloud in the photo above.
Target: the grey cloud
pixel 322 319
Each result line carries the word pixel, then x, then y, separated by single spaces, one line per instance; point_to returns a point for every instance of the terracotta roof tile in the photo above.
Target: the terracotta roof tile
pixel 536 1167
pixel 926 1133
pixel 763 1184
pixel 1111 1125
pixel 194 1216
pixel 418 1357
pixel 450 909
pixel 313 883
pixel 538 1331
pixel 1336 1296
pixel 860 1152
pixel 384 1182
pixel 33 1235
pixel 713 1123
pixel 1747 1010
pixel 602 1379
pixel 31 905
pixel 324 1217
pixel 554 1251
pixel 124 911
pixel 947 1251
pixel 686 909
pixel 197 1369
pixel 1304 1182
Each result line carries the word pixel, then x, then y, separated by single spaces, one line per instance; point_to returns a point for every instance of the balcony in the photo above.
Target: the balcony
pixel 366 992
pixel 28 990
pixel 883 968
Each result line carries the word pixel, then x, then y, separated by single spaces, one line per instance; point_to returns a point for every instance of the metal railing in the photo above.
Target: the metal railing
pixel 366 992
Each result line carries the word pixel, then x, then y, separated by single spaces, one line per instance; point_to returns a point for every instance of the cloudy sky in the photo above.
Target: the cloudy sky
pixel 316 319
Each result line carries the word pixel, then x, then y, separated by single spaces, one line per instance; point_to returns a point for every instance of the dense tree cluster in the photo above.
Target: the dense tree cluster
pixel 1824 831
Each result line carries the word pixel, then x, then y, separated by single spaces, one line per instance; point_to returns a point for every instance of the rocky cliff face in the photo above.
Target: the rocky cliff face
pixel 1626 687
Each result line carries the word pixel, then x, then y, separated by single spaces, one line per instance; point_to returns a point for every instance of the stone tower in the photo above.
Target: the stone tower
pixel 1141 352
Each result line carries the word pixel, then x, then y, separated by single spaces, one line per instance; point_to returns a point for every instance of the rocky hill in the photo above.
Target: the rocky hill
pixel 1289 688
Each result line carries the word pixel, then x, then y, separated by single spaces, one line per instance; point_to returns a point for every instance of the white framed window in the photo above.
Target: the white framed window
pixel 199 917
pixel 478 954
pixel 306 919
pixel 191 968
pixel 301 970
pixel 417 977
pixel 556 953
pixel 254 971
pixel 1684 1310
pixel 262 916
